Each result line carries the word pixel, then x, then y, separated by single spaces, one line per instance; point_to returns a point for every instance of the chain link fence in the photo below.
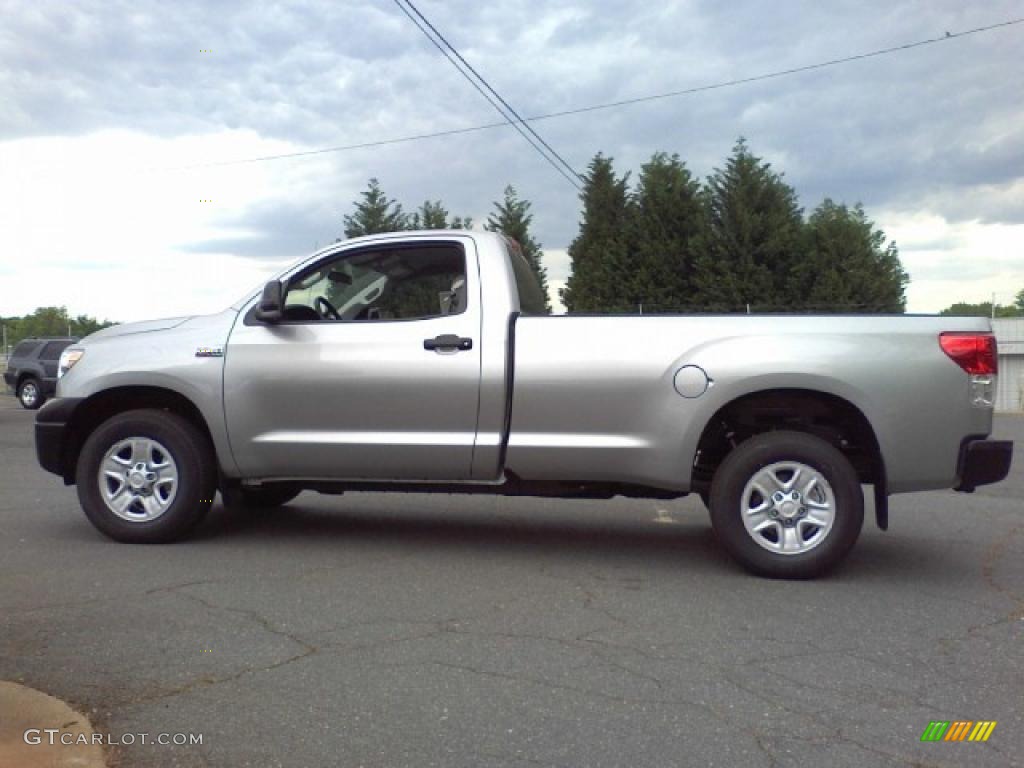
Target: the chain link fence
pixel 645 308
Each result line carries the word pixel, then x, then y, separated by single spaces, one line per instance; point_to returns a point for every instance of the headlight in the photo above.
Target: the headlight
pixel 68 358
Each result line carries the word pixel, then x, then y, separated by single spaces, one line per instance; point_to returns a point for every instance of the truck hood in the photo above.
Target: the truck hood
pixel 144 326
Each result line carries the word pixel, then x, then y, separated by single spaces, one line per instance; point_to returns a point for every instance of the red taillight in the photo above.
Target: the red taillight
pixel 974 352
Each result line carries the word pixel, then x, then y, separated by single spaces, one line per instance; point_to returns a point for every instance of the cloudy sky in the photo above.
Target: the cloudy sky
pixel 119 116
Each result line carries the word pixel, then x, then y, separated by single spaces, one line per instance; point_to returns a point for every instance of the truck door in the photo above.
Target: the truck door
pixel 373 373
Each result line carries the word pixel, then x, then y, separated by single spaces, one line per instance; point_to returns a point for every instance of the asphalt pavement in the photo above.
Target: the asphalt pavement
pixel 416 630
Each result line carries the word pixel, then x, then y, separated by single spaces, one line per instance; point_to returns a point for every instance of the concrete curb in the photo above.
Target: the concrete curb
pixel 22 709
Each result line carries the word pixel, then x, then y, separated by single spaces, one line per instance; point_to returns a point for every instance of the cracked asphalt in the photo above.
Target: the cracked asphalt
pixel 410 630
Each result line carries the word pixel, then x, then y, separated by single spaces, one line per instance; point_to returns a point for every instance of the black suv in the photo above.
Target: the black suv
pixel 32 369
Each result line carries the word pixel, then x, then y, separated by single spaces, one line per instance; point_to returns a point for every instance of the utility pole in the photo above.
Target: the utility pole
pixel 993 305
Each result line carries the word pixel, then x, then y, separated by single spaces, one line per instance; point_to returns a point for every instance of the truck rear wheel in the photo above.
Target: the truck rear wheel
pixel 146 477
pixel 787 505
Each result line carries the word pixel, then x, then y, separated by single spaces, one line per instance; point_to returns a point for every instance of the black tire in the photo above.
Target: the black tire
pixel 265 496
pixel 197 476
pixel 759 452
pixel 30 393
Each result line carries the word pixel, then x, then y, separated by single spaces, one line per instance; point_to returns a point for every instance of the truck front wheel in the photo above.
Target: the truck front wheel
pixel 787 505
pixel 146 476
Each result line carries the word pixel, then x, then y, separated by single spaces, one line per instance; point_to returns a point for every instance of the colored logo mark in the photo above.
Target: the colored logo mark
pixel 958 730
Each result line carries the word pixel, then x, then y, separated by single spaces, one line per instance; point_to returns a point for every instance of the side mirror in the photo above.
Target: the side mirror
pixel 270 309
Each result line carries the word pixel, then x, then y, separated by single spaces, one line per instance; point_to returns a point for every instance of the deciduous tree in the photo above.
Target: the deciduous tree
pixel 50 321
pixel 982 309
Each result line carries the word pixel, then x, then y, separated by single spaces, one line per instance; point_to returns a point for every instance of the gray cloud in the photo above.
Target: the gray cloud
pixel 939 125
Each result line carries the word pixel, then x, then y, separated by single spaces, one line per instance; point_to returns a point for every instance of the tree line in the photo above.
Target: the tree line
pixel 985 308
pixel 738 242
pixel 48 321
pixel 374 212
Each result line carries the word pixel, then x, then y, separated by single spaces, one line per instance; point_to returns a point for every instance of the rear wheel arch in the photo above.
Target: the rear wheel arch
pixel 822 414
pixel 98 408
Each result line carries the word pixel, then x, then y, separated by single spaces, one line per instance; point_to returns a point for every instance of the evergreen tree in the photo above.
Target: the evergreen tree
pixel 753 236
pixel 433 215
pixel 667 219
pixel 847 265
pixel 512 218
pixel 599 254
pixel 375 213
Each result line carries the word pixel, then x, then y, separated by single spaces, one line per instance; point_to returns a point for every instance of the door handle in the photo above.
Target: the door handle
pixel 448 341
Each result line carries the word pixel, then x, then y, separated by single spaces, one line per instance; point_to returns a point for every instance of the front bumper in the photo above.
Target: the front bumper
pixel 53 432
pixel 983 462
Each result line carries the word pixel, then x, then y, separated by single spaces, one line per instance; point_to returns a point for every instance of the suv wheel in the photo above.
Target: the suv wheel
pixel 29 394
pixel 787 505
pixel 146 477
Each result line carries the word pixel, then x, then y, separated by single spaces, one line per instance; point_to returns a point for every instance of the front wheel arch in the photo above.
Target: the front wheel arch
pixel 98 408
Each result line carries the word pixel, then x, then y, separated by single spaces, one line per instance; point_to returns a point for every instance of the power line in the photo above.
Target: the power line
pixel 615 104
pixel 518 124
pixel 782 72
pixel 487 85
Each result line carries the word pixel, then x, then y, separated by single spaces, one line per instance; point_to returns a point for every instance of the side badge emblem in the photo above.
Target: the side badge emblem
pixel 209 352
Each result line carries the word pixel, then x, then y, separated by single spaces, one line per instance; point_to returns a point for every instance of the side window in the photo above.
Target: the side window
pixel 25 348
pixel 53 349
pixel 395 283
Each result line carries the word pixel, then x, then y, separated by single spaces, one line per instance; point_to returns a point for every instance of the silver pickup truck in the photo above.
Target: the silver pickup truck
pixel 417 362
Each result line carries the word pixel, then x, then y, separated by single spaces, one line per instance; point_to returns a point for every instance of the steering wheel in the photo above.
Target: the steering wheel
pixel 326 309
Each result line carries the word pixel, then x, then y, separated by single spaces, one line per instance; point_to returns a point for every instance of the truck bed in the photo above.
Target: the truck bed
pixel 593 396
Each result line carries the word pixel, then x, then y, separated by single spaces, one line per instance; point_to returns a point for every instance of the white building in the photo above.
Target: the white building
pixel 1010 338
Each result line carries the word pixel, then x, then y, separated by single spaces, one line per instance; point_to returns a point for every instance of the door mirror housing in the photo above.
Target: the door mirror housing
pixel 270 309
